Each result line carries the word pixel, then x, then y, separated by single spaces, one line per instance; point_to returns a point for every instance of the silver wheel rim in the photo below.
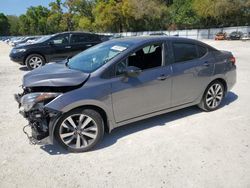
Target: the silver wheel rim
pixel 78 131
pixel 35 62
pixel 214 96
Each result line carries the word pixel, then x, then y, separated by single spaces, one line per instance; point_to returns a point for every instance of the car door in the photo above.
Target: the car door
pixel 192 68
pixel 59 47
pixel 149 92
pixel 82 41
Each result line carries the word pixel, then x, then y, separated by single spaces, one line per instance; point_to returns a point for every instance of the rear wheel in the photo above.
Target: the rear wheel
pixel 213 96
pixel 34 61
pixel 80 130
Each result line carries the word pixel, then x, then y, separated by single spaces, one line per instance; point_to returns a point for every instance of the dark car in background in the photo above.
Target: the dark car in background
pixel 119 82
pixel 235 35
pixel 55 47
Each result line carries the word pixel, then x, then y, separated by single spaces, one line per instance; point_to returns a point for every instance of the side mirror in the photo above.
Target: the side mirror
pixel 132 71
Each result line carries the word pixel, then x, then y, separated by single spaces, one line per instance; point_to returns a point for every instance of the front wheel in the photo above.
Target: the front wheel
pixel 80 130
pixel 213 96
pixel 34 61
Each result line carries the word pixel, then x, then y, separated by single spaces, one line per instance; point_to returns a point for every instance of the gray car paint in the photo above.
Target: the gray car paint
pixel 54 74
pixel 146 96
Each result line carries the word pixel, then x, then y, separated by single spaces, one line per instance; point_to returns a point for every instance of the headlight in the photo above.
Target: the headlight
pixel 29 100
pixel 18 50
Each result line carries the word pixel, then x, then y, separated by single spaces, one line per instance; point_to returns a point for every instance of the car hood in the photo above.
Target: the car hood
pixel 28 45
pixel 54 75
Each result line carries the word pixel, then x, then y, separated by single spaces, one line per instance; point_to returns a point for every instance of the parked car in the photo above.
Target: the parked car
pixel 221 36
pixel 55 47
pixel 236 35
pixel 25 40
pixel 119 82
pixel 246 36
pixel 15 40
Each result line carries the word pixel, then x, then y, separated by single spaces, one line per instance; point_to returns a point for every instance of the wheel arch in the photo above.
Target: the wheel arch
pixel 101 111
pixel 31 53
pixel 223 81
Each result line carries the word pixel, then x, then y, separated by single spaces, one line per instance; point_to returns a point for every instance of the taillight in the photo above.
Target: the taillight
pixel 232 60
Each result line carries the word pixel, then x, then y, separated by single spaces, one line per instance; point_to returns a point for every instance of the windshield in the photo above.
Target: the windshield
pixel 42 39
pixel 95 57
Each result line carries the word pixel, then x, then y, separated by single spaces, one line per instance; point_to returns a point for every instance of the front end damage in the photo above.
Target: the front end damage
pixel 40 87
pixel 32 106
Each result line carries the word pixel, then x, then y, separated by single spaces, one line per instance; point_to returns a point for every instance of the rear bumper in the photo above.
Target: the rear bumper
pixel 231 77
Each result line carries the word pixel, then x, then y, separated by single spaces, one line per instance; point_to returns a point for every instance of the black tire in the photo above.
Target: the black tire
pixel 205 103
pixel 97 122
pixel 30 61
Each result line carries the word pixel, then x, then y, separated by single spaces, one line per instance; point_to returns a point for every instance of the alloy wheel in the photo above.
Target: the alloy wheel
pixel 78 131
pixel 35 62
pixel 214 96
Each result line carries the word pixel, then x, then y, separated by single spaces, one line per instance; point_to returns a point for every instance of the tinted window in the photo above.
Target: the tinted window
pixel 61 39
pixel 81 38
pixel 201 50
pixel 184 52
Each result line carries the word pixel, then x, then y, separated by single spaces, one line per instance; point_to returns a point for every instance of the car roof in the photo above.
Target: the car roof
pixel 146 39
pixel 76 32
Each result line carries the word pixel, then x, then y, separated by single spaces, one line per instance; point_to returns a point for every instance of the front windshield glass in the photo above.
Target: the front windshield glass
pixel 43 38
pixel 95 57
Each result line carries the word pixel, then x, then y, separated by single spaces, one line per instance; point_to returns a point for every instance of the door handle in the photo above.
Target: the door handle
pixel 162 77
pixel 206 64
pixel 68 47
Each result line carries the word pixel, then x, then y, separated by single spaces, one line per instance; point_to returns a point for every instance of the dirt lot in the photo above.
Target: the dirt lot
pixel 186 148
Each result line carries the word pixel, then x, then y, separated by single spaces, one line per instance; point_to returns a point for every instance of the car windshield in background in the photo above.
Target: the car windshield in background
pixel 95 57
pixel 42 39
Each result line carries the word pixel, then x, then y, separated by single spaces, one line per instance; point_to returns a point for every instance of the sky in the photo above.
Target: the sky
pixel 18 7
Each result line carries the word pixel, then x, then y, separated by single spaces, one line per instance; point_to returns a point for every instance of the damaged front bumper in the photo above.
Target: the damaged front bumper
pixel 41 122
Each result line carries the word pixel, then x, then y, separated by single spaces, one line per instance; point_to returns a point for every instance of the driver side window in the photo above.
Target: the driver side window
pixel 145 58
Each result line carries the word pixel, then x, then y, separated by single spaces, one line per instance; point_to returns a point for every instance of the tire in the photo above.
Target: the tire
pixel 34 61
pixel 80 137
pixel 211 101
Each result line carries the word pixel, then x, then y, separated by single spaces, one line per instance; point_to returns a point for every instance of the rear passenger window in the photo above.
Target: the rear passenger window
pixel 184 52
pixel 201 50
pixel 81 38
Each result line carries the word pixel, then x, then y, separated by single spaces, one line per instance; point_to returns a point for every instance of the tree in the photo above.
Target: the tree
pixel 24 25
pixel 34 21
pixel 85 24
pixel 14 24
pixel 145 14
pixel 37 18
pixel 223 12
pixel 55 17
pixel 4 25
pixel 126 15
pixel 108 16
pixel 183 15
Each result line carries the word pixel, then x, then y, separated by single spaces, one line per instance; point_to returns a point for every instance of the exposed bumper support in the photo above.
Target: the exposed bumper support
pixel 42 121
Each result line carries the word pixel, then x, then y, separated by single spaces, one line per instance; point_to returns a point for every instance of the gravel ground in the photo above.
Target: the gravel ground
pixel 186 148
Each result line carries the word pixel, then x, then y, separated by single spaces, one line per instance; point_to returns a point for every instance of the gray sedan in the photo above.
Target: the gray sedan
pixel 119 82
